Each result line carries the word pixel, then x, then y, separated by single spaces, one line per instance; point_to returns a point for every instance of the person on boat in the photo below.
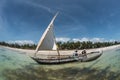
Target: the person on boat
pixel 75 54
pixel 84 53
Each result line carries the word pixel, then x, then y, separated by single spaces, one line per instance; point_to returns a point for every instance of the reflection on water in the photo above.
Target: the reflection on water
pixel 17 66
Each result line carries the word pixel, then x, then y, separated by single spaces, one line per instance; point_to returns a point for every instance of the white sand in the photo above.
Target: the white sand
pixel 62 52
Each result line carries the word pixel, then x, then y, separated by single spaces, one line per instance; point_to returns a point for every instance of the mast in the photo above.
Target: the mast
pixel 47 38
pixel 57 49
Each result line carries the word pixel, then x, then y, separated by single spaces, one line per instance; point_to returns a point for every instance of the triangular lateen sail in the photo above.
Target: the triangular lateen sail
pixel 47 41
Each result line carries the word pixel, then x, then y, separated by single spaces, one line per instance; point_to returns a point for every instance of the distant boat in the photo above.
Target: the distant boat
pixel 48 42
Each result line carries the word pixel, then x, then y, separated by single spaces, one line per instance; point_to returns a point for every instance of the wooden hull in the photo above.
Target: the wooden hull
pixel 53 61
pixel 66 60
pixel 91 58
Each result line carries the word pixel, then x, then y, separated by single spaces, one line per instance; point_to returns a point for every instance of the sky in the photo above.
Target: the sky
pixel 78 20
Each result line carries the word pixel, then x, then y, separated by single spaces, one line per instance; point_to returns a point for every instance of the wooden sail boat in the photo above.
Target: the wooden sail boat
pixel 48 42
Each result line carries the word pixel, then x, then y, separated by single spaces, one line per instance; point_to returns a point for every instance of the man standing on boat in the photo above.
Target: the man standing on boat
pixel 75 55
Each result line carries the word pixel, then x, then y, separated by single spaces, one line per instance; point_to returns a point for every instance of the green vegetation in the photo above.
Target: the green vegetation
pixel 66 45
pixel 85 45
pixel 25 46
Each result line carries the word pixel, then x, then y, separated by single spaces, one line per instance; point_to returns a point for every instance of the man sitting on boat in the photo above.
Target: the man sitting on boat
pixel 84 53
pixel 75 53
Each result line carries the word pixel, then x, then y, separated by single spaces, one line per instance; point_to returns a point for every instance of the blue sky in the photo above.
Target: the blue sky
pixel 80 20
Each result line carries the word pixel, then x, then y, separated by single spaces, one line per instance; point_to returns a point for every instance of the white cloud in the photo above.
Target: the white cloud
pixel 62 39
pixel 75 39
pixel 97 40
pixel 81 40
pixel 22 42
pixel 88 39
pixel 37 5
pixel 84 39
pixel 112 40
pixel 65 39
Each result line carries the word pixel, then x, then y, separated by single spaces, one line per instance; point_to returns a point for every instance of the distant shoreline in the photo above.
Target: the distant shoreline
pixel 63 52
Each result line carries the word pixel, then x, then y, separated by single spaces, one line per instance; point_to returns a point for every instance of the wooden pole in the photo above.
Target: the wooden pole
pixel 58 54
pixel 35 53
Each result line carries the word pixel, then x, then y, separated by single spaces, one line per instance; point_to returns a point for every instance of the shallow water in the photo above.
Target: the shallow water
pixel 12 60
pixel 17 66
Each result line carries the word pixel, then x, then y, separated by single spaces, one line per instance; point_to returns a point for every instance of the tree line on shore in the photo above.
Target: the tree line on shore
pixel 85 45
pixel 65 45
pixel 16 45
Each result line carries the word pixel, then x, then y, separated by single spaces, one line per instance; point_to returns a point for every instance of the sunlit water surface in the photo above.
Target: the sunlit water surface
pixel 18 66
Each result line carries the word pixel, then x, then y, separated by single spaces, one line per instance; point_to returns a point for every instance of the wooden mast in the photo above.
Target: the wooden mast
pixel 57 50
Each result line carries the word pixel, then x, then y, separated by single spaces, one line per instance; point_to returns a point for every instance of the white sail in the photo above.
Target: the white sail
pixel 47 41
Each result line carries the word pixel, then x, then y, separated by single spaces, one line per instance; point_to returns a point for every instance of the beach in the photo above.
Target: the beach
pixel 62 52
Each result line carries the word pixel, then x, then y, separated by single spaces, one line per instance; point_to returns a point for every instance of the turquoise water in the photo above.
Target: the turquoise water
pixel 11 60
pixel 18 66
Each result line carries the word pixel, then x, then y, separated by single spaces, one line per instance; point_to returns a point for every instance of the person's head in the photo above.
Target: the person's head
pixel 76 51
pixel 84 49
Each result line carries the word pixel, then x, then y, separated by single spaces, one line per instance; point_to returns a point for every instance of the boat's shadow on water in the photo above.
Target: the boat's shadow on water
pixel 40 73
